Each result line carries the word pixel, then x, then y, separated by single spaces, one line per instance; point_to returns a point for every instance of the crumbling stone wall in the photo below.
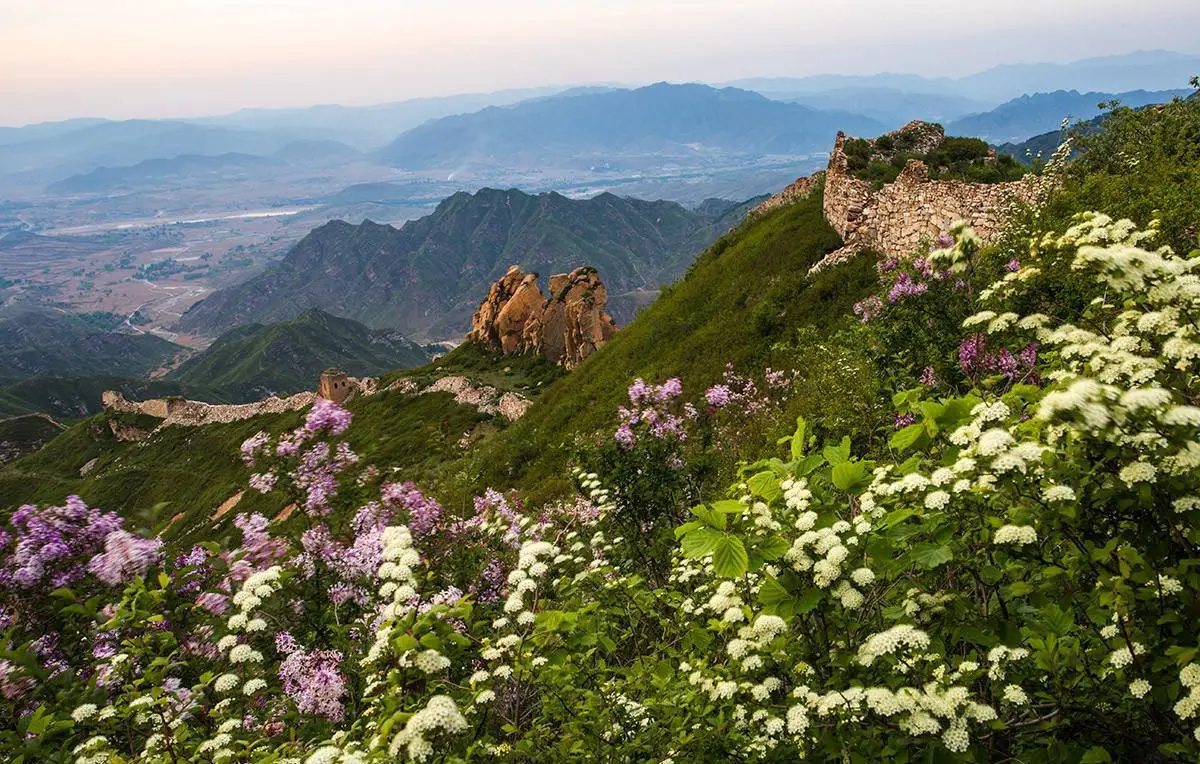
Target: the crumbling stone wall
pixel 894 219
pixel 797 191
pixel 179 411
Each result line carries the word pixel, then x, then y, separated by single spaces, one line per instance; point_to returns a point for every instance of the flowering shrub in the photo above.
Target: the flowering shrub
pixel 1014 577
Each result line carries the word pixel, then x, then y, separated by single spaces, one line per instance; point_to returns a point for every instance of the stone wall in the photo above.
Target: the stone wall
pixel 179 411
pixel 895 219
pixel 797 191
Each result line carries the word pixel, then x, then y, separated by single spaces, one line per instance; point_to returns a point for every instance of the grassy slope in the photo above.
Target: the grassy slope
pixel 750 291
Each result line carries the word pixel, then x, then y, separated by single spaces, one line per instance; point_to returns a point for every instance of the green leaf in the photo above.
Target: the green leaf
pixel 897 516
pixel 728 507
pixel 38 722
pixel 809 600
pixel 729 557
pixel 771 592
pixel 687 528
pixel 909 437
pixel 700 542
pixel 929 556
pixel 849 475
pixel 837 454
pixel 798 438
pixel 773 548
pixel 765 485
pixel 1095 755
pixel 709 517
pixel 808 464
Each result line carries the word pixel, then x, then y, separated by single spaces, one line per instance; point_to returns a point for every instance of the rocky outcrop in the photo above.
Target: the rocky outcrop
pixel 485 399
pixel 516 318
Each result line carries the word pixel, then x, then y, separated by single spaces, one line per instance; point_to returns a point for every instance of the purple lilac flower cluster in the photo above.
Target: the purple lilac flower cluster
pixel 652 407
pixel 312 679
pixel 869 308
pixel 977 360
pixel 126 556
pixel 740 394
pixel 424 512
pixel 59 545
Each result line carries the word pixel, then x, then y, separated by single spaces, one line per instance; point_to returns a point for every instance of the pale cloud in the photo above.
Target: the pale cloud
pixel 122 58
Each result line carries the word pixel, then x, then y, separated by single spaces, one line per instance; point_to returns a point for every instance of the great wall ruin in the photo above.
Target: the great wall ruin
pixel 334 385
pixel 893 220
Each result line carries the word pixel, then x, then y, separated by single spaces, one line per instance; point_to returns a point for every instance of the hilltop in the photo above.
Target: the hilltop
pixel 253 361
pixel 426 277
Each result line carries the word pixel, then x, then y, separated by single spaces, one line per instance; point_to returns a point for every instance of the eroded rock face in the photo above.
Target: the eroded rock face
pixel 565 327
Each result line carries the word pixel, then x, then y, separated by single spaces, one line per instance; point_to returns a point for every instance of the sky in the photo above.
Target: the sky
pixel 181 58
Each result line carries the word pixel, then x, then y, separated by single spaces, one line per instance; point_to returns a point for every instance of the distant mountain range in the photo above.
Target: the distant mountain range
pixel 616 128
pixel 427 277
pixel 45 343
pixel 253 361
pixel 1038 113
pixel 1141 70
pixel 893 107
pixel 156 171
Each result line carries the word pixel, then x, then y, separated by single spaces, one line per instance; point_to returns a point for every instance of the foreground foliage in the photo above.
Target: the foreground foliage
pixel 1014 576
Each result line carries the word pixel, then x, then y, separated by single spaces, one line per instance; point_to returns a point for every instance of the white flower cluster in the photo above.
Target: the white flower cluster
pixel 922 607
pixel 399 587
pixel 440 716
pixel 825 553
pixel 1188 706
pixel 901 637
pixel 929 710
pixel 1000 656
pixel 1016 535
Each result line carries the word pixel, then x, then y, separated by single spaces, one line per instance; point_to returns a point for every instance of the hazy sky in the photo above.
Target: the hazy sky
pixel 153 58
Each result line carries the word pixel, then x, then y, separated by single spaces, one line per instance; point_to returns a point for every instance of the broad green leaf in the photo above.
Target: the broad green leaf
pixel 1095 755
pixel 930 556
pixel 709 517
pixel 798 438
pixel 809 463
pixel 839 453
pixel 765 485
pixel 809 600
pixel 897 516
pixel 729 557
pixel 687 528
pixel 728 507
pixel 771 592
pixel 773 548
pixel 700 542
pixel 849 475
pixel 909 437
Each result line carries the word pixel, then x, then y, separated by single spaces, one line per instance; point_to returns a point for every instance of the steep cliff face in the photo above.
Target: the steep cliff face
pixel 566 327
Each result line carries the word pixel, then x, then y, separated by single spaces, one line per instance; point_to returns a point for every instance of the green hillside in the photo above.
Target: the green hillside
pixel 251 362
pixel 743 302
pixel 49 343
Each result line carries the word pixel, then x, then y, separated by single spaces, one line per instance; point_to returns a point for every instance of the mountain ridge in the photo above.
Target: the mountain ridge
pixel 426 277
